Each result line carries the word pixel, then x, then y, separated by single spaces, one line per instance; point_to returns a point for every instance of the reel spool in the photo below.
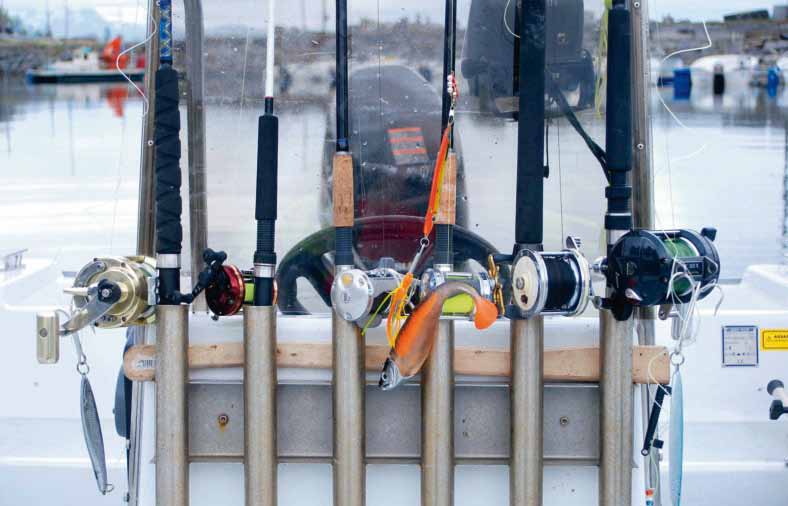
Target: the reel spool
pixel 552 283
pixel 459 305
pixel 641 263
pixel 355 293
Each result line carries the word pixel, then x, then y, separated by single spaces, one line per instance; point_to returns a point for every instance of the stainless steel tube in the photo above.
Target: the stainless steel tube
pixel 348 404
pixel 527 398
pixel 617 411
pixel 437 420
pixel 172 445
pixel 145 207
pixel 260 456
pixel 643 182
pixel 195 117
pixel 642 162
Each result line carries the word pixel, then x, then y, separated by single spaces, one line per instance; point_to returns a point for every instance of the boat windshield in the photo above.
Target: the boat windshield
pixel 396 81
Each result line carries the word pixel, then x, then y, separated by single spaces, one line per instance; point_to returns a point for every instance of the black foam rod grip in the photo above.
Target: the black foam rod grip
pixel 267 167
pixel 618 136
pixel 530 131
pixel 166 136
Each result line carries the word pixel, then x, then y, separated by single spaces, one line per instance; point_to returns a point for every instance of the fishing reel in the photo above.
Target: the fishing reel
pixel 659 268
pixel 229 290
pixel 460 305
pixel 549 283
pixel 363 296
pixel 109 292
pixel 357 295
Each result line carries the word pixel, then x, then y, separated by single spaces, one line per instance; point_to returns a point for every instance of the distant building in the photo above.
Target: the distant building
pixel 780 12
pixel 760 14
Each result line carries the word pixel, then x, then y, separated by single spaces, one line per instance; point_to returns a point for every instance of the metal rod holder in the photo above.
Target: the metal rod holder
pixel 527 408
pixel 195 118
pixel 348 407
pixel 260 454
pixel 617 411
pixel 437 420
pixel 172 445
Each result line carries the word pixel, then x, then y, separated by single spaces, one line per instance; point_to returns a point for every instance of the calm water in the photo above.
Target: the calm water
pixel 69 165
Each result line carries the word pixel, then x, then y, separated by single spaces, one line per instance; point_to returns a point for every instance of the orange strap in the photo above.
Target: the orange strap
pixel 437 177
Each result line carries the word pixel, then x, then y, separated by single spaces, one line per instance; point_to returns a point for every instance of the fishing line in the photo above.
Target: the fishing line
pixel 132 48
pixel 560 179
pixel 709 44
pixel 243 74
pixel 506 22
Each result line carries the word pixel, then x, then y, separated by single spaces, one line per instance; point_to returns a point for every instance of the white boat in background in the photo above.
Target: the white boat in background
pixel 85 65
pixel 731 64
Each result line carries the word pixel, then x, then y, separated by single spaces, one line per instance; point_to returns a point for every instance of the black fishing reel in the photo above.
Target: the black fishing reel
pixel 663 267
pixel 548 283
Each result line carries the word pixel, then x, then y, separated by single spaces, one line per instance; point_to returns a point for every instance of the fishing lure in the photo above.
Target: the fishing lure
pixel 676 442
pixel 91 428
pixel 417 336
pixel 400 296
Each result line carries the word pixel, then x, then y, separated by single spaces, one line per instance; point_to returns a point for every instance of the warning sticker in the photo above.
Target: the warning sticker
pixel 774 339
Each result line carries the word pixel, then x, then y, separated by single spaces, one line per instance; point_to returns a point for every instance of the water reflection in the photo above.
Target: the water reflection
pixel 70 157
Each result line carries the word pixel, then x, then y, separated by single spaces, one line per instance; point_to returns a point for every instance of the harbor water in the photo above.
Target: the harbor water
pixel 70 159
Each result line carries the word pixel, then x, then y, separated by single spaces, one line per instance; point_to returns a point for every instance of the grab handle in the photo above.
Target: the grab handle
pixel 780 403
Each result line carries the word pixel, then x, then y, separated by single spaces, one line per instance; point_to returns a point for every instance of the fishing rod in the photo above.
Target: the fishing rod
pixel 172 330
pixel 260 454
pixel 267 170
pixel 437 385
pixel 631 275
pixel 347 350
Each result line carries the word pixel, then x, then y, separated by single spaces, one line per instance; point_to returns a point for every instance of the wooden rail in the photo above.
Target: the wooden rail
pixel 561 365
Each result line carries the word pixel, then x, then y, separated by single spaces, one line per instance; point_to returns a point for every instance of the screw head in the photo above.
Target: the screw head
pixel 563 421
pixel 519 283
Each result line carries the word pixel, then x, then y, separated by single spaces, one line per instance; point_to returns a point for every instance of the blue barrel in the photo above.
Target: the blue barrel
pixel 772 80
pixel 682 83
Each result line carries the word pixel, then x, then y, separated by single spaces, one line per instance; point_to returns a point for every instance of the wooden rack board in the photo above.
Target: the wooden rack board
pixel 561 365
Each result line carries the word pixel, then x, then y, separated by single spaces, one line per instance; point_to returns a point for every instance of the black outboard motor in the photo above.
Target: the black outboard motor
pixel 489 56
pixel 394 139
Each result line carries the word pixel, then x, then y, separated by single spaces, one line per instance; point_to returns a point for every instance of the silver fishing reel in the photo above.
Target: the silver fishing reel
pixel 459 305
pixel 356 294
pixel 551 283
pixel 109 292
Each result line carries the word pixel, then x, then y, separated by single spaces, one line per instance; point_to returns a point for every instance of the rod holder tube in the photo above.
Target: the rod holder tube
pixel 145 207
pixel 437 420
pixel 348 404
pixel 527 408
pixel 195 114
pixel 617 416
pixel 172 445
pixel 530 132
pixel 260 451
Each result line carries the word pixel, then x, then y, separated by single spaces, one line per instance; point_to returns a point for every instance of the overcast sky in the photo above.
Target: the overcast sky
pixel 220 12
